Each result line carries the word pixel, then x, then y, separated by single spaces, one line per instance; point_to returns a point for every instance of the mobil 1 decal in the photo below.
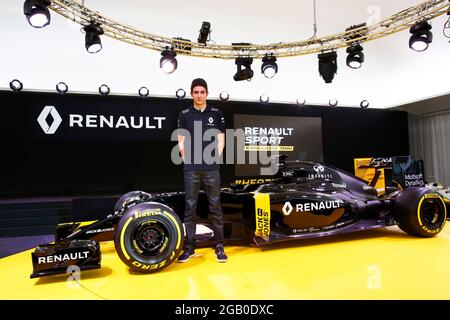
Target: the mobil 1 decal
pixel 265 136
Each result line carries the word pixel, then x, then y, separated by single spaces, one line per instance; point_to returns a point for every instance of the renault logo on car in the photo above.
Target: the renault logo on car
pixel 42 120
pixel 287 208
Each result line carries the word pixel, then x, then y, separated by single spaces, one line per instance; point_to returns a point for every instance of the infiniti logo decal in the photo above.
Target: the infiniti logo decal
pixel 49 129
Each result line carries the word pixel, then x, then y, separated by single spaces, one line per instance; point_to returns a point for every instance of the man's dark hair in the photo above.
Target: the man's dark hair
pixel 199 82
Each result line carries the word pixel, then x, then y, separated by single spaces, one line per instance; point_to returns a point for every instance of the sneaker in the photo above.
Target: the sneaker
pixel 185 256
pixel 220 254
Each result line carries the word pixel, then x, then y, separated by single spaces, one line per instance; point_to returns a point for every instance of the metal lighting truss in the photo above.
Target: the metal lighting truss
pixel 77 12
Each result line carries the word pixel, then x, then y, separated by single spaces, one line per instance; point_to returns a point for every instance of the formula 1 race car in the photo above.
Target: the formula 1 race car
pixel 303 200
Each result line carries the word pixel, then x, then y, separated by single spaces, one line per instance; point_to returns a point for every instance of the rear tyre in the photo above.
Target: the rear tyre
pixel 149 237
pixel 420 212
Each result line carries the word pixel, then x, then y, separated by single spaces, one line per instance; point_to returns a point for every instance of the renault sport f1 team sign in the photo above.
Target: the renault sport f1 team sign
pixel 300 138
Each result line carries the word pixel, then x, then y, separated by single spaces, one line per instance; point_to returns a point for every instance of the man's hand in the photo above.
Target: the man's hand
pixel 181 145
pixel 220 142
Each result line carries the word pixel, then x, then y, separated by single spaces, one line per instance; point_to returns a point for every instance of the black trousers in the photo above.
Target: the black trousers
pixel 209 181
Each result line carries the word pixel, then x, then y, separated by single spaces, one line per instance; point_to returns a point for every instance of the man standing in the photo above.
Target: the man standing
pixel 200 168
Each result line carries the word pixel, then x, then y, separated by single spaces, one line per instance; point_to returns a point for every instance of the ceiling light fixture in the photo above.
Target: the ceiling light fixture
pixel 301 101
pixel 364 104
pixel 264 98
pixel 16 85
pixel 327 65
pixel 204 32
pixel 224 96
pixel 62 88
pixel 244 70
pixel 104 90
pixel 269 67
pixel 168 62
pixel 421 36
pixel 143 92
pixel 37 13
pixel 333 103
pixel 180 93
pixel 355 56
pixel 93 42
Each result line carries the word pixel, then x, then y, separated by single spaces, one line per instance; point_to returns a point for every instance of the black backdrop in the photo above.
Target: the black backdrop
pixel 95 160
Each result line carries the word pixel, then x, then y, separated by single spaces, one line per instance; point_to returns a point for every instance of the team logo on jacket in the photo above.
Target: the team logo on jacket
pixel 210 120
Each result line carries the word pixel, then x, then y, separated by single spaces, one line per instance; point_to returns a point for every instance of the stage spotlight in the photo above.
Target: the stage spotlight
pixel 143 92
pixel 16 85
pixel 93 33
pixel 104 90
pixel 180 94
pixel 62 88
pixel 364 104
pixel 168 63
pixel 37 13
pixel 333 103
pixel 301 101
pixel 269 67
pixel 247 72
pixel 204 32
pixel 264 98
pixel 355 56
pixel 421 36
pixel 224 96
pixel 327 65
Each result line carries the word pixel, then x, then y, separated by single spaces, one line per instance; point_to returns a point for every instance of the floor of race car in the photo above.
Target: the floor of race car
pixel 374 264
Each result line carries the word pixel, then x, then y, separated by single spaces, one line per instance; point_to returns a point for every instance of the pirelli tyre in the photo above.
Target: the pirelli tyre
pixel 149 237
pixel 420 212
pixel 131 198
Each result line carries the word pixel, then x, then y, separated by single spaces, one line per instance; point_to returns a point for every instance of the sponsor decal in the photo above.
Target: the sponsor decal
pixel 149 266
pixel 251 181
pixel 431 196
pixel 311 206
pixel 63 257
pixel 262 212
pixel 339 185
pixel 100 230
pixel 381 161
pixel 318 168
pixel 412 179
pixel 147 213
pixel 320 176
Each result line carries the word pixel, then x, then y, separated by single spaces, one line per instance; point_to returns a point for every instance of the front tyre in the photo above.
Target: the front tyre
pixel 149 237
pixel 420 212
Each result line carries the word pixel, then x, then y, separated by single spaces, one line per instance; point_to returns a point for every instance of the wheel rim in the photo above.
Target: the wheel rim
pixel 432 213
pixel 150 238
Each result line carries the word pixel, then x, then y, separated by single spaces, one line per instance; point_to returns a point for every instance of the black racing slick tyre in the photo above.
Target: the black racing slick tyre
pixel 130 198
pixel 420 212
pixel 149 237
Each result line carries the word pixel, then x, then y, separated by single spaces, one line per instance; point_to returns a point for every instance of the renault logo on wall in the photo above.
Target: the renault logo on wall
pixel 54 122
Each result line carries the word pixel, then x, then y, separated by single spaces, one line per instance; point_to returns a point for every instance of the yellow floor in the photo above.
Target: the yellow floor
pixel 376 264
